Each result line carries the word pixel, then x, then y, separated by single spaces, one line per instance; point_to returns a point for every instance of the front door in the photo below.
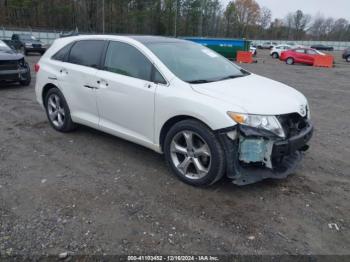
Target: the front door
pixel 125 94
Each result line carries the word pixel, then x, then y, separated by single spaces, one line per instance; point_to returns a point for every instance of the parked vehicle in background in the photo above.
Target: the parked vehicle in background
pixel 346 55
pixel 323 47
pixel 13 67
pixel 276 50
pixel 207 115
pixel 253 50
pixel 300 55
pixel 27 43
pixel 267 45
pixel 70 33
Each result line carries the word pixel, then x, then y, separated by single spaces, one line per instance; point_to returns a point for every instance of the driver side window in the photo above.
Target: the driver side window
pixel 124 59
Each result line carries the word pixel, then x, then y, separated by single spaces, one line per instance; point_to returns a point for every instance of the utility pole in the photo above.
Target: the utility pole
pixel 103 16
pixel 175 22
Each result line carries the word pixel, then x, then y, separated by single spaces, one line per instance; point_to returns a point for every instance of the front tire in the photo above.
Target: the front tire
pixel 348 59
pixel 193 153
pixel 290 61
pixel 28 79
pixel 57 111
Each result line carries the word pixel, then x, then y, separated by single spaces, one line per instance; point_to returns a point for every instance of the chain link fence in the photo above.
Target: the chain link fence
pixel 48 37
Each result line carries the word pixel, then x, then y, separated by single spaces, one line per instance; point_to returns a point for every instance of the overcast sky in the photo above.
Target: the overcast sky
pixel 333 8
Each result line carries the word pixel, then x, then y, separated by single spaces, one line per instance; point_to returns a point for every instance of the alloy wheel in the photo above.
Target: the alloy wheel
pixel 190 154
pixel 56 110
pixel 290 61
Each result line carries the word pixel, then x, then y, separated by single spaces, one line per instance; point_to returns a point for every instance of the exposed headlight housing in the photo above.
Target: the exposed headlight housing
pixel 269 123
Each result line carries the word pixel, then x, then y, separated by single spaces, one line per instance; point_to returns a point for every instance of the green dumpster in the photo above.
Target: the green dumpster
pixel 226 47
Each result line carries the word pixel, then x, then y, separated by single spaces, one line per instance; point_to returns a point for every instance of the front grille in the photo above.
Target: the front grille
pixel 37 45
pixel 293 123
pixel 9 65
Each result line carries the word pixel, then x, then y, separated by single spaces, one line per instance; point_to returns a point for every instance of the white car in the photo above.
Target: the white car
pixel 277 50
pixel 208 116
pixel 253 50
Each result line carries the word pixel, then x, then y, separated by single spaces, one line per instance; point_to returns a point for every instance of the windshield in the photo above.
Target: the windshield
pixel 28 38
pixel 194 63
pixel 4 47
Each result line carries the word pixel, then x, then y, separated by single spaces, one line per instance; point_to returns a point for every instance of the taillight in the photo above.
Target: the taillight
pixel 36 68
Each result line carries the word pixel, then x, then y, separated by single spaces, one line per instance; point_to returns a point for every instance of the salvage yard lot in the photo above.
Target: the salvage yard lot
pixel 87 192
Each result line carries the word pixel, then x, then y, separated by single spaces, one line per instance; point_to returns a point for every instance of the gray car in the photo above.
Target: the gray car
pixel 13 67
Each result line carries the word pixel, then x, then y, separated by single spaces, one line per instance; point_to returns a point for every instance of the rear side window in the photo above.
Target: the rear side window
pixel 62 55
pixel 126 60
pixel 311 52
pixel 302 51
pixel 87 53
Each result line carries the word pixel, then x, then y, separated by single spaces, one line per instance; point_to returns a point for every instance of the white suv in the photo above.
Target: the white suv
pixel 208 116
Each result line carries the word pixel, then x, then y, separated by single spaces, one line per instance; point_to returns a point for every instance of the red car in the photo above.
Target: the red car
pixel 300 55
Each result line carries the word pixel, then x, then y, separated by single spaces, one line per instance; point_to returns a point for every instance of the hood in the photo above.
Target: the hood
pixel 10 55
pixel 256 95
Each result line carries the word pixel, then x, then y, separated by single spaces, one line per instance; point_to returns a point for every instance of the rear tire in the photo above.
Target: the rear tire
pixel 290 61
pixel 193 153
pixel 58 112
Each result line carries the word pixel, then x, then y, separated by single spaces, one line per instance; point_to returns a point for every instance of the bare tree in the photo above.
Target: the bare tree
pixel 248 12
pixel 265 17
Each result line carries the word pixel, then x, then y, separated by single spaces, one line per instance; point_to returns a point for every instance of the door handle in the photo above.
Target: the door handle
pixel 90 87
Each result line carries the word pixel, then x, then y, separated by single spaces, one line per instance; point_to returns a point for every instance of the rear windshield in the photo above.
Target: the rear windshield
pixel 28 38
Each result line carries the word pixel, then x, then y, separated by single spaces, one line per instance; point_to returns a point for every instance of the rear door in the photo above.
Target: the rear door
pixel 75 77
pixel 126 93
pixel 300 55
pixel 310 56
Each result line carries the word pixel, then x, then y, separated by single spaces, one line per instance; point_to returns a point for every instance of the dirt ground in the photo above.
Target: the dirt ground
pixel 90 193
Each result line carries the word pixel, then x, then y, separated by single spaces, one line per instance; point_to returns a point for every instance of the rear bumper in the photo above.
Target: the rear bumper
pixel 285 154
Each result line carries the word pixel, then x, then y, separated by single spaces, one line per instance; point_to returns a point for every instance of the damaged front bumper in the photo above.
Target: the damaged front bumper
pixel 254 154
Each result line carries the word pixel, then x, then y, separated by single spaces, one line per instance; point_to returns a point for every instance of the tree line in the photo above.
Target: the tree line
pixel 207 18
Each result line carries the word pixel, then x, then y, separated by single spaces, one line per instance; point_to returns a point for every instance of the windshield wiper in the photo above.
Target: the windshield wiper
pixel 230 77
pixel 199 81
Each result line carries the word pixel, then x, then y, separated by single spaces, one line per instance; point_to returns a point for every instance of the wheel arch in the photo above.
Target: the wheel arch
pixel 46 89
pixel 170 123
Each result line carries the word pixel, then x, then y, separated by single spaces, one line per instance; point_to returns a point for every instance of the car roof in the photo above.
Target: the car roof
pixel 147 39
pixel 143 39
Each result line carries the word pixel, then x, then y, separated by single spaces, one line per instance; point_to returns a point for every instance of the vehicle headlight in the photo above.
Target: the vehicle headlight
pixel 28 44
pixel 269 123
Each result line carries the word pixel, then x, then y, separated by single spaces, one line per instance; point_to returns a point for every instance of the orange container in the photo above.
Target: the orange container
pixel 244 57
pixel 323 61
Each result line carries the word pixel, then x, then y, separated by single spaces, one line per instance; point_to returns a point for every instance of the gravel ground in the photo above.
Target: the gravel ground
pixel 90 193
